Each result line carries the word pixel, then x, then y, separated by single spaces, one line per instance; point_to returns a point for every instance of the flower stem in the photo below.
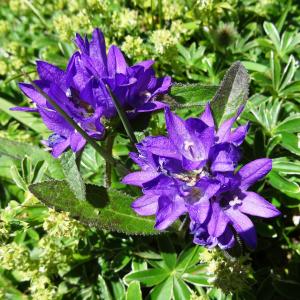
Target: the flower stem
pixel 96 146
pixel 123 117
pixel 109 146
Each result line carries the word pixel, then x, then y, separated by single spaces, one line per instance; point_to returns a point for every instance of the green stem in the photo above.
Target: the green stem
pixel 123 117
pixel 109 146
pixel 97 147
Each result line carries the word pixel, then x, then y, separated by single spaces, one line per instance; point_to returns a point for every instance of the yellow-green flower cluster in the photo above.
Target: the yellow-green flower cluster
pixel 172 9
pixel 18 6
pixel 162 40
pixel 52 254
pixel 134 47
pixel 231 275
pixel 124 20
pixel 60 225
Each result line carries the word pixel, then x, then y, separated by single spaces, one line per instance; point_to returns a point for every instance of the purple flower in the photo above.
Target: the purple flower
pixel 81 91
pixel 192 170
pixel 229 207
pixel 53 81
pixel 136 87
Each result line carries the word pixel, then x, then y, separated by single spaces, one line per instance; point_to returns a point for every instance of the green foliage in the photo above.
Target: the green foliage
pixel 46 254
pixel 106 209
pixel 232 94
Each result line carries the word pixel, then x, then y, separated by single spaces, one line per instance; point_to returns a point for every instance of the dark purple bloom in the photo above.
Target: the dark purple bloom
pixel 192 170
pixel 82 93
pixel 136 87
pixel 229 207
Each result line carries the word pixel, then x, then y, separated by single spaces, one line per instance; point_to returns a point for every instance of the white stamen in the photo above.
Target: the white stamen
pixel 235 201
pixel 68 93
pixel 187 145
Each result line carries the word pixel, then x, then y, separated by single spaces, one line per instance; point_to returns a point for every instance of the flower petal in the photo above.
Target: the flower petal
pixel 243 225
pixel 59 148
pixel 116 62
pixel 226 240
pixel 160 145
pixel 139 177
pixel 255 205
pixel 218 221
pixel 254 171
pixel 207 116
pixel 98 51
pixel 22 108
pixel 146 205
pixel 51 73
pixel 199 211
pixel 238 135
pixel 169 210
pixel 77 142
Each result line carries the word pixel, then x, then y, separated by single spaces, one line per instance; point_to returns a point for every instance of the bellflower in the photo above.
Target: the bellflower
pixel 81 91
pixel 192 170
pixel 136 87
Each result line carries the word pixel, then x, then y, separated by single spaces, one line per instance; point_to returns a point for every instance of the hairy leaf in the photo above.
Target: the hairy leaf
pixel 73 177
pixel 193 93
pixel 104 209
pixel 232 94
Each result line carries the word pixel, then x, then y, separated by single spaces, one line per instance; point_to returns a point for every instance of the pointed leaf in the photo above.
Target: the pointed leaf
pixel 134 291
pixel 167 251
pixel 73 177
pixel 105 209
pixel 163 291
pixel 148 277
pixel 181 290
pixel 17 151
pixel 232 94
pixel 191 93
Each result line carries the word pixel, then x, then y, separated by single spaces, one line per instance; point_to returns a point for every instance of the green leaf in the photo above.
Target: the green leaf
pixel 290 142
pixel 275 71
pixel 188 257
pixel 17 178
pixel 256 67
pixel 232 94
pixel 282 184
pixel 72 174
pixel 193 93
pixel 17 151
pixel 288 73
pixel 284 166
pixel 118 289
pixel 290 124
pixel 287 288
pixel 196 279
pixel 28 119
pixel 134 291
pixel 273 34
pixel 180 290
pixel 167 252
pixel 103 288
pixel 163 291
pixel 105 209
pixel 148 277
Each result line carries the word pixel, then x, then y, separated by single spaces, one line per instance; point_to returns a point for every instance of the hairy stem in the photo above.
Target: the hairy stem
pixel 123 117
pixel 109 146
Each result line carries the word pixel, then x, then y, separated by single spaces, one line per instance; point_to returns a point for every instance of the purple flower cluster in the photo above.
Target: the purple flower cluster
pixel 81 91
pixel 193 170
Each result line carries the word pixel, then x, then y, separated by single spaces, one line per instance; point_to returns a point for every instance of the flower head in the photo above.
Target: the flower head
pixel 192 170
pixel 81 91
